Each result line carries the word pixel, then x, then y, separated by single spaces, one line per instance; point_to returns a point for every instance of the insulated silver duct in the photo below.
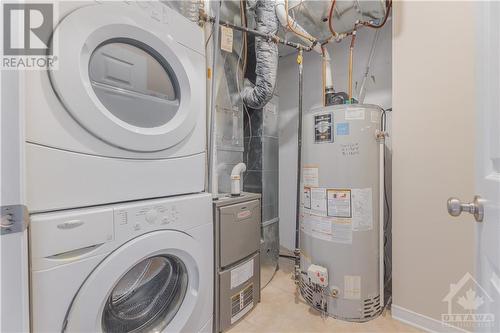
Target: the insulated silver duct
pixel 266 53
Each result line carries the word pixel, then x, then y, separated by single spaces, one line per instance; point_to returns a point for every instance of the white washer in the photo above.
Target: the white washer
pixel 145 266
pixel 122 115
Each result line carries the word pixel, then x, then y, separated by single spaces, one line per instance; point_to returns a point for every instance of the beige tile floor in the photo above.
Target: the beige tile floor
pixel 282 310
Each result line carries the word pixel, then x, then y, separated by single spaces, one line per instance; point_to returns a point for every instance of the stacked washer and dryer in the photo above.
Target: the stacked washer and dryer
pixel 121 233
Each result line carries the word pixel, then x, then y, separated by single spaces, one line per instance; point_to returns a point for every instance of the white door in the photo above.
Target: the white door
pixel 485 207
pixel 488 158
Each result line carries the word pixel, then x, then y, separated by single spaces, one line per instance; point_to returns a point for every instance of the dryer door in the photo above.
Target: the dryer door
pixel 124 79
pixel 150 284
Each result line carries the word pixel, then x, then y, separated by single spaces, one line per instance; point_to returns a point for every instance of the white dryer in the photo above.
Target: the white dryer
pixel 145 266
pixel 121 116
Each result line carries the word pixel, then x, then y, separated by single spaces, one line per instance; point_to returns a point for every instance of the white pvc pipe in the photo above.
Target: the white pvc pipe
pixel 236 178
pixel 381 220
pixel 281 13
pixel 328 71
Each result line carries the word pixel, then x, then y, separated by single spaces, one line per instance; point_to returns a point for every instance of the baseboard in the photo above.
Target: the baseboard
pixel 422 322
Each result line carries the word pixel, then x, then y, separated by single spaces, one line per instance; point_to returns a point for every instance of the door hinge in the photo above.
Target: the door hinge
pixel 15 218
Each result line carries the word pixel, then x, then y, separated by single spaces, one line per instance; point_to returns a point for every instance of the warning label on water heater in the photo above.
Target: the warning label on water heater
pixel 323 128
pixel 334 214
pixel 352 287
pixel 339 203
pixel 307 198
pixel 362 209
pixel 310 176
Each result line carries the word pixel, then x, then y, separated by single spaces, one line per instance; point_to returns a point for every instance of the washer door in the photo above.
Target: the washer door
pixel 150 284
pixel 124 79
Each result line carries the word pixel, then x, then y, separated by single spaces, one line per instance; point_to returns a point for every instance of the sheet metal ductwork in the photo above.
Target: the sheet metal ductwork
pixel 266 53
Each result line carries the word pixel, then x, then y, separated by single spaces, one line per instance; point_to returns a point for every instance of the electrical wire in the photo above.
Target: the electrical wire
pixel 388 236
pixel 210 36
pixel 250 135
pixel 239 92
pixel 245 36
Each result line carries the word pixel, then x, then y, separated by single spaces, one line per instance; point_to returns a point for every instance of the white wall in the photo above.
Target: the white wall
pixel 378 92
pixel 433 153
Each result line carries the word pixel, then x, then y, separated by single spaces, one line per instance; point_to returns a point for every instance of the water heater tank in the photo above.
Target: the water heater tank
pixel 339 227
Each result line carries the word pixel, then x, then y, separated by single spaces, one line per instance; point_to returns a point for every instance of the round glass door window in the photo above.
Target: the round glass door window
pixel 147 297
pixel 134 83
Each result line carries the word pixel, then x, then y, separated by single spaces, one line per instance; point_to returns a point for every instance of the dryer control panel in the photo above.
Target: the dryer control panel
pixel 145 216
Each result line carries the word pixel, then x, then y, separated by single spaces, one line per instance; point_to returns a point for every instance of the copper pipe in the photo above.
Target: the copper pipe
pixel 387 12
pixel 245 37
pixel 330 19
pixel 360 23
pixel 291 28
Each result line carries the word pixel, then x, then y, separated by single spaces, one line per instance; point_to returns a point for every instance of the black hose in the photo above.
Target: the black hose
pixel 288 256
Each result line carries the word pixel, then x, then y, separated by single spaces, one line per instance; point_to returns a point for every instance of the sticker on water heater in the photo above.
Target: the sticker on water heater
pixel 329 229
pixel 354 114
pixel 362 209
pixel 323 128
pixel 375 116
pixel 310 176
pixel 321 227
pixel 339 203
pixel 307 197
pixel 352 287
pixel 342 230
pixel 318 201
pixel 305 223
pixel 343 129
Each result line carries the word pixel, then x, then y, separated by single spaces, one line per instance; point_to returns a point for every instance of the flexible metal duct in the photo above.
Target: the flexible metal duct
pixel 266 53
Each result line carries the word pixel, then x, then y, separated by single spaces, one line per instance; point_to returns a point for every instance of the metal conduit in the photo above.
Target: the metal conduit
pixel 299 156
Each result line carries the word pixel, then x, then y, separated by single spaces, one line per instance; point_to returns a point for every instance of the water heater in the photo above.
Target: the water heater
pixel 339 221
